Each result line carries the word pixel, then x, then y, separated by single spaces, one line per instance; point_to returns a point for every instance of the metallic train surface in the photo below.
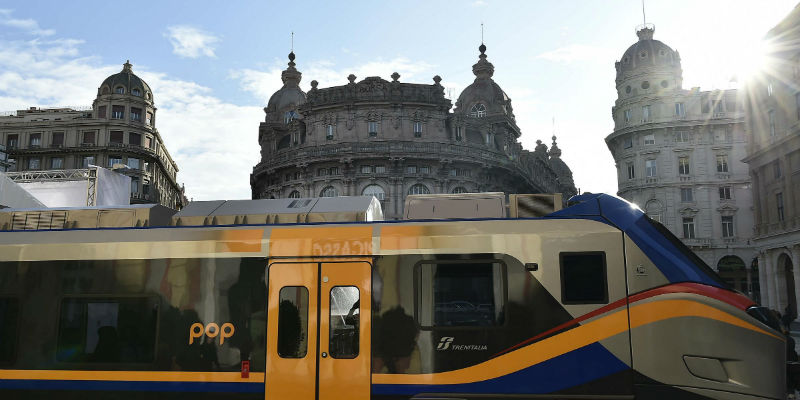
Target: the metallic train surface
pixel 592 301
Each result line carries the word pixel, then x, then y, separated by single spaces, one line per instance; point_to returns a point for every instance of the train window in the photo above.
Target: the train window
pixel 293 322
pixel 583 278
pixel 9 312
pixel 107 330
pixel 344 321
pixel 458 294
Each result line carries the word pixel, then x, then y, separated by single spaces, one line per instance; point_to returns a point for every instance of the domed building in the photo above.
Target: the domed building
pixel 390 139
pixel 118 130
pixel 678 155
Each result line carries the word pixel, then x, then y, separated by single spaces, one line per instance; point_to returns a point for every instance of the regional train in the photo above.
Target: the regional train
pixel 594 301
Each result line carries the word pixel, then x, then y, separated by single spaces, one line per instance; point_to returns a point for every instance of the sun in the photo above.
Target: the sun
pixel 752 61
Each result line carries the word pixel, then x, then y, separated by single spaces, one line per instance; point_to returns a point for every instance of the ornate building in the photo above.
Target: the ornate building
pixel 678 155
pixel 119 129
pixel 773 155
pixel 390 139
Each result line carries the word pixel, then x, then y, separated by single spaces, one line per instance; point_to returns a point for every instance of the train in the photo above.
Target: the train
pixel 592 301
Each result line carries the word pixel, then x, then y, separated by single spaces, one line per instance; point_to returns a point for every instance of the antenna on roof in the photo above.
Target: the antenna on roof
pixel 482 31
pixel 644 16
pixel 293 40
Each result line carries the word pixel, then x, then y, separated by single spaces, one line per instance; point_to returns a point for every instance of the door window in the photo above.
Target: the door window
pixel 344 322
pixel 293 322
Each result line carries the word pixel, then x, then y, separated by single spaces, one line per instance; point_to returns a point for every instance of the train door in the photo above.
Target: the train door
pixel 318 331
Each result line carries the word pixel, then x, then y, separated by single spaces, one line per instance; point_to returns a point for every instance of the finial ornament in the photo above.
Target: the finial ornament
pixel 127 67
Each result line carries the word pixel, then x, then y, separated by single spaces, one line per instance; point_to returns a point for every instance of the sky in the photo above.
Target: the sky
pixel 213 65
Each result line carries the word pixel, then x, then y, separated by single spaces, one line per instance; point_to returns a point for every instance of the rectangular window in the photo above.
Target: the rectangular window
pixel 380 169
pixel 34 163
pixel 459 133
pixel 117 112
pixel 373 128
pixel 149 120
pixel 134 185
pixel 333 171
pixel 87 161
pixel 148 142
pixel 329 132
pixel 114 160
pixel 645 113
pixel 36 140
pixel 411 169
pixel 722 163
pixel 769 89
pixel 687 195
pixel 681 136
pixel 293 322
pixel 683 165
pixel 453 172
pixel 322 172
pixel 57 163
pixel 13 164
pixel 424 169
pixel 627 116
pixel 134 139
pixel 583 278
pixel 88 138
pixel 102 112
pixel 116 137
pixel 650 168
pixel 688 228
pixel 133 163
pixel 649 139
pixel 771 115
pixel 111 330
pixel 344 321
pixel 727 226
pixel 460 293
pixel 136 114
pixel 725 193
pixel 680 110
pixel 628 143
pixel 58 139
pixel 631 171
pixel 417 129
pixel 779 203
pixel 776 169
pixel 366 169
pixel 12 141
pixel 705 103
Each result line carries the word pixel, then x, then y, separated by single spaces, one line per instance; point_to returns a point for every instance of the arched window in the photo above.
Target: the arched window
pixel 374 191
pixel 328 191
pixel 653 209
pixel 460 189
pixel 119 90
pixel 478 111
pixel 732 270
pixel 294 195
pixel 136 92
pixel 419 189
pixel 289 116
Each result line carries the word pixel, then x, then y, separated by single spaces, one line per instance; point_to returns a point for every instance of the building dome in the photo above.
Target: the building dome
pixel 647 52
pixel 484 96
pixel 289 97
pixel 126 82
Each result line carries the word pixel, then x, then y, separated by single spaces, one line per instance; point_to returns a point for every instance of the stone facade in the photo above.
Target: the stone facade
pixel 119 129
pixel 773 155
pixel 678 156
pixel 5 165
pixel 390 139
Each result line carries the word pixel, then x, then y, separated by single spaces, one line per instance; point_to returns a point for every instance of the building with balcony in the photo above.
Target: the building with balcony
pixel 119 128
pixel 678 155
pixel 773 117
pixel 390 139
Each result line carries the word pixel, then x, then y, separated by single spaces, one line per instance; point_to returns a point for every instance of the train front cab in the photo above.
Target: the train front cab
pixel 319 323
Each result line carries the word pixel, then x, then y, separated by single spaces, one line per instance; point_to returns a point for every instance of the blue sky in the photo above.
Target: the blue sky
pixel 213 65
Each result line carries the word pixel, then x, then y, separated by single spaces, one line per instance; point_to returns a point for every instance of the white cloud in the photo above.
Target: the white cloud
pixel 191 42
pixel 578 52
pixel 28 25
pixel 478 3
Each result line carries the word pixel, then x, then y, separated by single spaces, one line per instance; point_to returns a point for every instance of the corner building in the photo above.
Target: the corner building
pixel 389 139
pixel 678 155
pixel 773 155
pixel 118 129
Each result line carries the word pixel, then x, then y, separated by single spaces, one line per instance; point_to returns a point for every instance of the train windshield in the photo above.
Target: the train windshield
pixel 697 261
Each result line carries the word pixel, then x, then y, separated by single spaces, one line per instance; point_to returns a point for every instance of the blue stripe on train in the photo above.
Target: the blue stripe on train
pixel 150 386
pixel 577 367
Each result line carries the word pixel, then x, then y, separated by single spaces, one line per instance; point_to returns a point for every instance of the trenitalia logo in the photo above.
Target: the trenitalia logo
pixel 446 341
pixel 444 344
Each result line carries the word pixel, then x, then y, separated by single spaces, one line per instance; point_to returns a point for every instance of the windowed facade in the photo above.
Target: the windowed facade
pixel 88 138
pixel 626 116
pixel 725 193
pixel 133 163
pixel 117 112
pixel 372 128
pixel 680 110
pixel 375 191
pixel 722 163
pixel 57 163
pixel 119 90
pixel 58 139
pixel 135 139
pixel 771 119
pixel 411 169
pixel 650 168
pixel 649 139
pixel 136 92
pixel 727 226
pixel 329 191
pixel 631 170
pixel 136 114
pixel 681 137
pixel 417 129
pixel 478 111
pixel 12 141
pixel 628 143
pixel 459 190
pixel 425 169
pixel 646 113
pixel 102 112
pixel 87 161
pixel 776 169
pixel 116 137
pixel 687 195
pixel 329 132
pixel 366 169
pixel 459 133
pixel 149 119
pixel 779 205
pixel 688 228
pixel 683 165
pixel 114 160
pixel 419 189
pixel 34 163
pixel 294 195
pixel 35 140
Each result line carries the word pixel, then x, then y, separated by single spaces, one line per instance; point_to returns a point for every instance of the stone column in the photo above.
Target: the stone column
pixel 795 252
pixel 771 280
pixel 762 280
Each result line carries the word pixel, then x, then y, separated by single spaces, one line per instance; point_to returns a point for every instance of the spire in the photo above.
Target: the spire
pixel 291 76
pixel 127 67
pixel 645 31
pixel 483 68
pixel 555 152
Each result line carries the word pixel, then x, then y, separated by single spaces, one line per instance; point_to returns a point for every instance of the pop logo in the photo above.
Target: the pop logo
pixel 212 330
